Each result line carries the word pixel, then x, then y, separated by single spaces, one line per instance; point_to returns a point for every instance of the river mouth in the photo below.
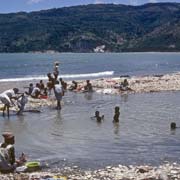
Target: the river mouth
pixel 71 137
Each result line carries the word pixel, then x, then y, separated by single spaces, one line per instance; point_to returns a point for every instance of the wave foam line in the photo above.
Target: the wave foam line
pixel 70 76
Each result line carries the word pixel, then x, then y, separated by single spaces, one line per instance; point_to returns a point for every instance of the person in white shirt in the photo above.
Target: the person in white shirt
pixel 58 91
pixel 6 98
pixel 36 91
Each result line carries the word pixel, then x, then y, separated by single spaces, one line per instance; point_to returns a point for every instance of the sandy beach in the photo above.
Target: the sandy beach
pixel 137 84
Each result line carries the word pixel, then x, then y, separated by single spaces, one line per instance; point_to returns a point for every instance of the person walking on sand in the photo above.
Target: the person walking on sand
pixel 58 91
pixel 6 98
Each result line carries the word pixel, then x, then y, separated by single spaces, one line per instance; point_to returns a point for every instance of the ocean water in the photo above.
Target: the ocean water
pixel 76 65
pixel 71 137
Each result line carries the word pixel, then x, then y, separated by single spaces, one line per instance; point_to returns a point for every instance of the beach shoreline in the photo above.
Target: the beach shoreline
pixel 166 171
pixel 137 84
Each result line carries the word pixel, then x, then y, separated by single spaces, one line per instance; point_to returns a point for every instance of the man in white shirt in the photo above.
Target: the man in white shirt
pixel 6 98
pixel 58 91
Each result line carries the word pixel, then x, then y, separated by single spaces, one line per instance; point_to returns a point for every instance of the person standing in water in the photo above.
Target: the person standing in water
pixel 58 91
pixel 6 98
pixel 116 114
pixel 56 69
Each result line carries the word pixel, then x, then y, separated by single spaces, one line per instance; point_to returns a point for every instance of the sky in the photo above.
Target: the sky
pixel 7 6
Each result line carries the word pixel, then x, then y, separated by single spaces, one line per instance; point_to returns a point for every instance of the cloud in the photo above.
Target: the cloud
pixel 133 2
pixel 34 1
pixel 153 1
pixel 98 2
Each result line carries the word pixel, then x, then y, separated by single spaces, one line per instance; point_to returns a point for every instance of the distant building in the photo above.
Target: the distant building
pixel 100 49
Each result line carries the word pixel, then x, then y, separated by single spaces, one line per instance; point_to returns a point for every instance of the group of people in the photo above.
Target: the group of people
pixel 99 118
pixel 13 97
pixel 75 87
pixel 54 86
pixel 123 86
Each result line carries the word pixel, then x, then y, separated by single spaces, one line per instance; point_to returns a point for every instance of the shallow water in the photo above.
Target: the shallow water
pixel 69 136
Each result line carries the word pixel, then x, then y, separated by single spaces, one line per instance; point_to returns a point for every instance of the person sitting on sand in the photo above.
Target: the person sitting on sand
pixel 8 162
pixel 6 98
pixel 124 85
pixel 30 89
pixel 41 85
pixel 45 93
pixel 116 114
pixel 98 117
pixel 36 91
pixel 88 86
pixel 58 94
pixel 73 86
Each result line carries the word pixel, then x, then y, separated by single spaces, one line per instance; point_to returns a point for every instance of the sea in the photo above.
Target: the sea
pixel 70 137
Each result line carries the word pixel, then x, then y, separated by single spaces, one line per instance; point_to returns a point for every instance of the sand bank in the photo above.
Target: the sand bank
pixel 137 84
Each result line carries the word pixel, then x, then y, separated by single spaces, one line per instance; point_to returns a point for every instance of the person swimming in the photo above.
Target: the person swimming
pixel 98 117
pixel 173 126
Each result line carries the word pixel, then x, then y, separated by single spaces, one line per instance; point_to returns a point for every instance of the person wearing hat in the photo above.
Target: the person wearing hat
pixel 8 162
pixel 6 98
pixel 7 153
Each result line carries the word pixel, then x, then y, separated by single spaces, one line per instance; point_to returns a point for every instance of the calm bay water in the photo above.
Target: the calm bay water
pixel 28 65
pixel 143 135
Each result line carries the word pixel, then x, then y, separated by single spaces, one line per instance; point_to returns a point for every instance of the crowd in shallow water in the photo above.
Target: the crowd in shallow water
pixel 57 87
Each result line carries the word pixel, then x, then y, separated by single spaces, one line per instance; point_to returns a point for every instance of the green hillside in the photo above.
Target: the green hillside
pixel 117 28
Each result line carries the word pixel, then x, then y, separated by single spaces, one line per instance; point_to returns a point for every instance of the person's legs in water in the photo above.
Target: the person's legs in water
pixel 8 110
pixel 58 104
pixel 4 108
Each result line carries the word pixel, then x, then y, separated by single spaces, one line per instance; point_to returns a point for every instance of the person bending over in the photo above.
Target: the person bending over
pixel 6 98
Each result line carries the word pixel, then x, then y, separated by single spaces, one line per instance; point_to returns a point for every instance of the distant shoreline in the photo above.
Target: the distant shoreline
pixel 138 84
pixel 112 52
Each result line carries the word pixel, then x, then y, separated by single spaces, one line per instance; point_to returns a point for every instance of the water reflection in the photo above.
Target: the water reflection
pixel 116 128
pixel 88 95
pixel 124 97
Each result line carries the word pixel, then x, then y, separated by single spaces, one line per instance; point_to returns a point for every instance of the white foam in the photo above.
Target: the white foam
pixel 68 76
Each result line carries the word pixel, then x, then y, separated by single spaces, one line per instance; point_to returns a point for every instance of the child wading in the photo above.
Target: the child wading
pixel 116 114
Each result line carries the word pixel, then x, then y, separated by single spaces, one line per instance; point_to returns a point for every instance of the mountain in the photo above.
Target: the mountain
pixel 89 28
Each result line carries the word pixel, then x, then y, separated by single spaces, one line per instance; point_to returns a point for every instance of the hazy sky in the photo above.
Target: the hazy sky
pixel 33 5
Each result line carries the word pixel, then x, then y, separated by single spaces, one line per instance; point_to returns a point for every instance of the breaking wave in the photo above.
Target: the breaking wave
pixel 66 76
